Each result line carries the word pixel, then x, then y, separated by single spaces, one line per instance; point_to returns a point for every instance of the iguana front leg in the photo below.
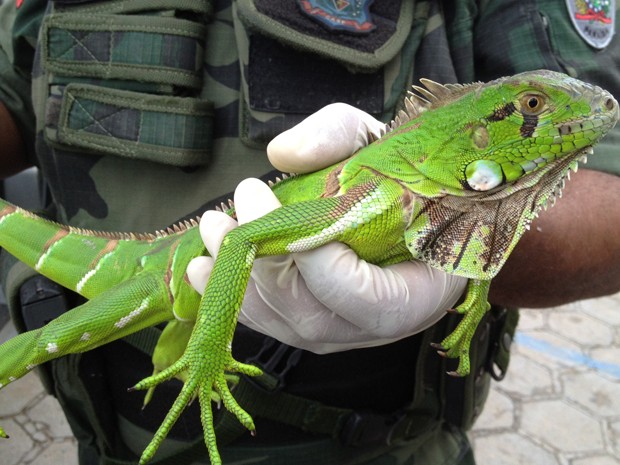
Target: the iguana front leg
pixel 126 308
pixel 473 308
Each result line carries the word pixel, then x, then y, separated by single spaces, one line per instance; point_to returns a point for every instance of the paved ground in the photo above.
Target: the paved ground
pixel 559 404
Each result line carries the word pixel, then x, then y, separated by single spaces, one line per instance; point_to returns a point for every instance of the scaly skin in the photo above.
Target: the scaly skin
pixel 455 182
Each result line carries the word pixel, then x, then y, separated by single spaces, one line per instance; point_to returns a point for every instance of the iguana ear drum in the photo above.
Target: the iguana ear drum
pixel 480 136
pixel 483 175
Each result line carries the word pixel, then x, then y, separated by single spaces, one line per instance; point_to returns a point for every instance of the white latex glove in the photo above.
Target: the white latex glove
pixel 328 299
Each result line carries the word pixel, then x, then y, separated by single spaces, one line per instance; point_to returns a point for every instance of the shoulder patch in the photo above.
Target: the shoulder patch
pixel 594 20
pixel 340 15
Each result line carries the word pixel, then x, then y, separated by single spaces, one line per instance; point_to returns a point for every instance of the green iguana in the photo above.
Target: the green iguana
pixel 454 182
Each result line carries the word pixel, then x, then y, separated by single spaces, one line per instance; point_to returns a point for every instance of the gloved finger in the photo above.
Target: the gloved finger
pixel 390 302
pixel 214 225
pixel 198 272
pixel 326 137
pixel 253 199
pixel 306 323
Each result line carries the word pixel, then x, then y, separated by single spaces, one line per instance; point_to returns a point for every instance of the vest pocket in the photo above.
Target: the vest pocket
pixel 292 65
pixel 124 79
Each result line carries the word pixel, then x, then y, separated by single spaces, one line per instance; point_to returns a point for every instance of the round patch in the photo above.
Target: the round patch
pixel 594 20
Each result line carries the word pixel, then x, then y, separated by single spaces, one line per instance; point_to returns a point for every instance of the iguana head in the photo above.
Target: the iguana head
pixel 512 129
pixel 504 150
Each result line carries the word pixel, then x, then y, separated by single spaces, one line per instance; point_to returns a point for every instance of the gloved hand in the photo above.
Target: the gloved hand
pixel 328 299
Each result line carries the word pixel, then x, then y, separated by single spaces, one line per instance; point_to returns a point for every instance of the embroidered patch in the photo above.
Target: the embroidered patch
pixel 340 15
pixel 594 20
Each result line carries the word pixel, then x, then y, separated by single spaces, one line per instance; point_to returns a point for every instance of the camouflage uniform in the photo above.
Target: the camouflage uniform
pixel 145 110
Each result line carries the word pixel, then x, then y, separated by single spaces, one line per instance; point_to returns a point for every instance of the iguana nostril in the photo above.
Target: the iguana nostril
pixel 610 104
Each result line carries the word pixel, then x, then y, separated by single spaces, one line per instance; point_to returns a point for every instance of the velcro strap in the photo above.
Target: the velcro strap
pixel 171 130
pixel 140 48
pixel 200 7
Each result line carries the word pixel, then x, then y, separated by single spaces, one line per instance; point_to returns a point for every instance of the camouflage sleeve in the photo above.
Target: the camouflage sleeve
pixel 563 35
pixel 18 33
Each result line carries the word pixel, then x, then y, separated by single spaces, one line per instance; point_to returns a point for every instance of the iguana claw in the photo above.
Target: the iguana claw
pixel 438 346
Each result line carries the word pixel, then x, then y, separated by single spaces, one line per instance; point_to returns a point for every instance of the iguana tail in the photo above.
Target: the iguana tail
pixel 88 262
pixel 70 256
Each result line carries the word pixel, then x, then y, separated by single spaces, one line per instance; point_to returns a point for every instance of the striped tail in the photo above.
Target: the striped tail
pixel 70 256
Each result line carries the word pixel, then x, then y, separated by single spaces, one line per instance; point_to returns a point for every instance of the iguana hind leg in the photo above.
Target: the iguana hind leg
pixel 474 307
pixel 206 378
pixel 208 359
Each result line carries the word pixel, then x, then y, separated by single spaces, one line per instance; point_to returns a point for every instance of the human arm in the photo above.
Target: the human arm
pixel 572 251
pixel 13 159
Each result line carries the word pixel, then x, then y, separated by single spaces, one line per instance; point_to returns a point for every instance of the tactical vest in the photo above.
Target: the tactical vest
pixel 146 109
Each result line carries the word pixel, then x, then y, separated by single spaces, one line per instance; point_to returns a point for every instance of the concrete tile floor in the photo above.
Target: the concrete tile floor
pixel 559 403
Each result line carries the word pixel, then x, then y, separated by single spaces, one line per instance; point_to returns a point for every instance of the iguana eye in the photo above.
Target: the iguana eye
pixel 532 104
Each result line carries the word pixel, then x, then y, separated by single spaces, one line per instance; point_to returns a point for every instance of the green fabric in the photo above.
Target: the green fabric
pixel 162 50
pixel 200 7
pixel 111 180
pixel 172 130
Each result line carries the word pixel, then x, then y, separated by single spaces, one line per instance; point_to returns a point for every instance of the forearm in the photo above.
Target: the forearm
pixel 572 251
pixel 13 154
